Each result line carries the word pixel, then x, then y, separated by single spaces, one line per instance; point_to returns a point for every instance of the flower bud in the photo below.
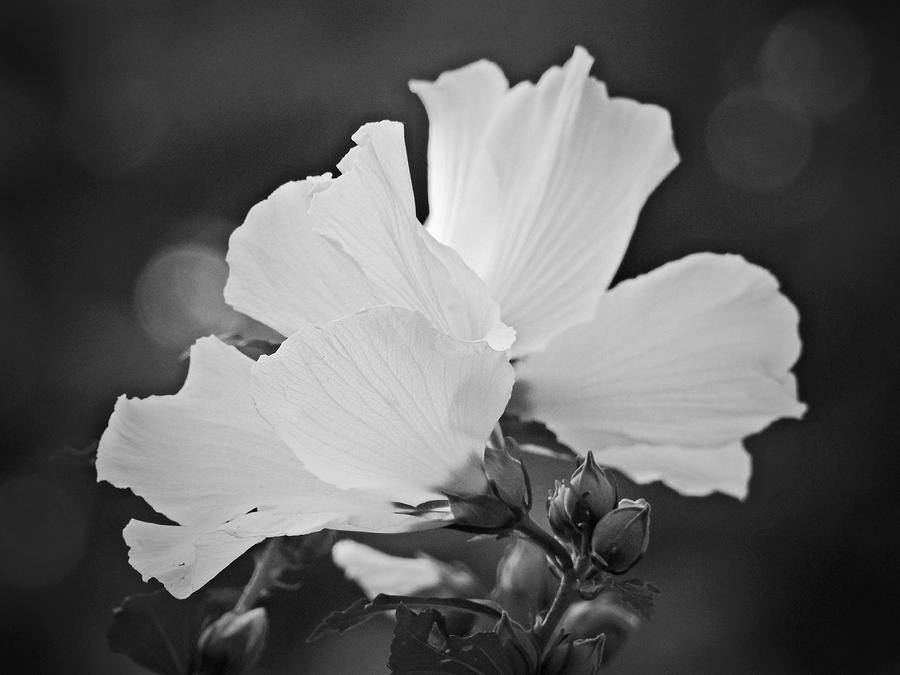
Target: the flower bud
pixel 232 643
pixel 595 489
pixel 574 656
pixel 518 645
pixel 525 584
pixel 556 510
pixel 507 476
pixel 589 618
pixel 482 513
pixel 621 537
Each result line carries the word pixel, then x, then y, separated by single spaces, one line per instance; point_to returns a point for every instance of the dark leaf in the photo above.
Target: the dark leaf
pixel 636 595
pixel 421 645
pixel 362 610
pixel 160 633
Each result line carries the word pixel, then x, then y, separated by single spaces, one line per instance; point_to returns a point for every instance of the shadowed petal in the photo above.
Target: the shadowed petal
pixel 370 214
pixel 690 471
pixel 378 572
pixel 544 211
pixel 696 353
pixel 384 402
pixel 186 558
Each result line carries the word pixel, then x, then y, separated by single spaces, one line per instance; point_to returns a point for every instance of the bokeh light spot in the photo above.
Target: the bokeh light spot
pixel 42 532
pixel 816 59
pixel 178 296
pixel 757 142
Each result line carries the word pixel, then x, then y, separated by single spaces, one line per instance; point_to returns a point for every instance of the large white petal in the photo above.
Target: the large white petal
pixel 185 558
pixel 384 402
pixel 377 572
pixel 204 453
pixel 204 458
pixel 370 213
pixel 690 471
pixel 283 273
pixel 695 353
pixel 460 105
pixel 544 212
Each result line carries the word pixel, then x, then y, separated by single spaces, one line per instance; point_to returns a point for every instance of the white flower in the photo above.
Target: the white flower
pixel 378 572
pixel 380 404
pixel 537 189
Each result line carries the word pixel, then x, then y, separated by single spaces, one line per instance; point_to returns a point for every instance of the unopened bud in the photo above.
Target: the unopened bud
pixel 233 643
pixel 621 536
pixel 575 656
pixel 589 618
pixel 507 476
pixel 482 513
pixel 595 489
pixel 518 645
pixel 525 584
pixel 556 511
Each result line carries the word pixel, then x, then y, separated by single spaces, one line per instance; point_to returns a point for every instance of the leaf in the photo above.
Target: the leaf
pixel 362 610
pixel 160 633
pixel 421 645
pixel 636 595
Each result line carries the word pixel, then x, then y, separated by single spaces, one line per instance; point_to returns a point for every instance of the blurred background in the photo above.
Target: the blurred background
pixel 135 136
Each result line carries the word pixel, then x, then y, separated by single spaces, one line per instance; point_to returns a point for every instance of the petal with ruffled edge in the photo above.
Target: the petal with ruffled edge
pixel 695 353
pixel 382 401
pixel 204 458
pixel 377 572
pixel 284 274
pixel 543 212
pixel 370 213
pixel 691 471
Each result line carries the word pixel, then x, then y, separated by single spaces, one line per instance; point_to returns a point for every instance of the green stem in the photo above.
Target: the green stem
pixel 263 575
pixel 565 594
pixel 542 538
pixel 568 583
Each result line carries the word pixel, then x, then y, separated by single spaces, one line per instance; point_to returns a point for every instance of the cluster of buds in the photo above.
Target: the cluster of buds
pixel 586 514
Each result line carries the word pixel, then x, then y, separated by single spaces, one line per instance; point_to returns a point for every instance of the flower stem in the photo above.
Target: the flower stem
pixel 568 583
pixel 565 594
pixel 542 538
pixel 263 575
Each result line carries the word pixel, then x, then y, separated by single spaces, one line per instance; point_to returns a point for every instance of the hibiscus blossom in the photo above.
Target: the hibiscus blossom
pixel 380 404
pixel 534 192
pixel 396 363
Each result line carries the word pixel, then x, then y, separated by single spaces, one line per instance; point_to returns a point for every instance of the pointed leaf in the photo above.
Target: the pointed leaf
pixel 422 645
pixel 362 610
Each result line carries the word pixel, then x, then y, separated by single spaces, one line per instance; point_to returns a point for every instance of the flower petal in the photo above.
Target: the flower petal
pixel 378 572
pixel 284 274
pixel 384 402
pixel 185 558
pixel 203 454
pixel 695 353
pixel 690 471
pixel 548 205
pixel 206 459
pixel 460 105
pixel 370 213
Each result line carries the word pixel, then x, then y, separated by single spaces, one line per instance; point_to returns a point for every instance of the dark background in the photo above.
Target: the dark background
pixel 136 134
